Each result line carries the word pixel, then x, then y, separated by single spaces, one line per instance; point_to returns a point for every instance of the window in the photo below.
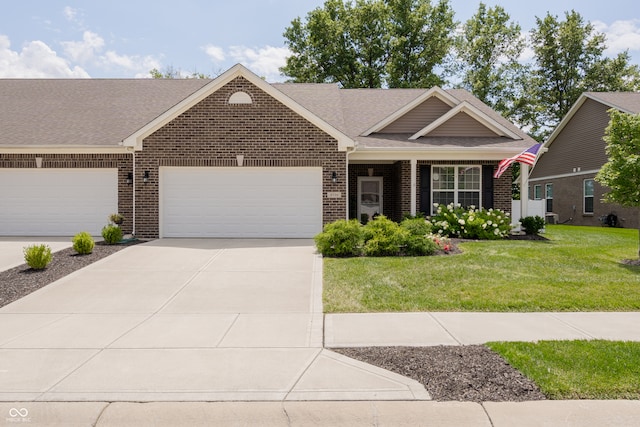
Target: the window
pixel 588 196
pixel 537 192
pixel 456 184
pixel 548 194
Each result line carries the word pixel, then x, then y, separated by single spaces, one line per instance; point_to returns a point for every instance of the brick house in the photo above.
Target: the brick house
pixel 238 157
pixel 564 175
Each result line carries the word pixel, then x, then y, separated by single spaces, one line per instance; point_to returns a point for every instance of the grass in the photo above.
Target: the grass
pixel 577 369
pixel 577 269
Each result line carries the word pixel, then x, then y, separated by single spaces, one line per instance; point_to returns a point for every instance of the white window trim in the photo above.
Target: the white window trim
pixel 546 193
pixel 584 197
pixel 537 192
pixel 456 190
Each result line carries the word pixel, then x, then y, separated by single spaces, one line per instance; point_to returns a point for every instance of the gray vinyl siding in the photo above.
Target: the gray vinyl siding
pixel 578 145
pixel 418 118
pixel 462 125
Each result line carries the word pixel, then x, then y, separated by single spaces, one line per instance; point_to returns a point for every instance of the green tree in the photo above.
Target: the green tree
pixel 621 173
pixel 488 50
pixel 421 39
pixel 370 43
pixel 175 73
pixel 568 61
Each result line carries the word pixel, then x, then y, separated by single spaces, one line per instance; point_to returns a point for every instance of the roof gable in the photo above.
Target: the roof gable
pixel 627 102
pixel 449 122
pixel 135 139
pixel 387 122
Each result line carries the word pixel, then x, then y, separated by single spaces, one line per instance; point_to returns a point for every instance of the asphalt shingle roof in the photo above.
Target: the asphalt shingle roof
pixel 89 112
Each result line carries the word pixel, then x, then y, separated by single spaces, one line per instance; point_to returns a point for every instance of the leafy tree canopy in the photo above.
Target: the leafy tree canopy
pixel 371 43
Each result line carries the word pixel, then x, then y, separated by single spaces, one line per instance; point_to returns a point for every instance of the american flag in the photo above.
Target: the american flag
pixel 528 156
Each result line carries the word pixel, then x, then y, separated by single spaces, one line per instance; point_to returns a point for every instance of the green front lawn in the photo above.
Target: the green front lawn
pixel 577 369
pixel 578 269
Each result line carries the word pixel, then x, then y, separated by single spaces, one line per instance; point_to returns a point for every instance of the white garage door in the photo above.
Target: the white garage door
pixel 240 202
pixel 56 202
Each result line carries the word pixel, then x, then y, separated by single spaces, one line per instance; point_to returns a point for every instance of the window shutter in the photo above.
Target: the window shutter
pixel 487 186
pixel 425 189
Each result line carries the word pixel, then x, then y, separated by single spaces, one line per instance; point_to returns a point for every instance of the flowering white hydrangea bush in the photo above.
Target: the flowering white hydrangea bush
pixel 470 223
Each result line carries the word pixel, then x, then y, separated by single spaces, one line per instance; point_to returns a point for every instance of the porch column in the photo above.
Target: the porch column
pixel 414 187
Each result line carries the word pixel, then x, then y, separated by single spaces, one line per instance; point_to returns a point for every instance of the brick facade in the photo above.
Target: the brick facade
pixel 213 132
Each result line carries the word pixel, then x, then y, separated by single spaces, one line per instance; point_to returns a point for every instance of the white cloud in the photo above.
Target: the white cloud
pixel 264 61
pixel 216 53
pixel 141 65
pixel 86 50
pixel 621 35
pixel 35 60
pixel 70 13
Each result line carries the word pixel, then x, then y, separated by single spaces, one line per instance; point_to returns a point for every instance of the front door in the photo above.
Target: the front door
pixel 369 197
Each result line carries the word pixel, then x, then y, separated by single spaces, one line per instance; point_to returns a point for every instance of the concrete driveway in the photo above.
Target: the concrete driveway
pixel 11 248
pixel 185 320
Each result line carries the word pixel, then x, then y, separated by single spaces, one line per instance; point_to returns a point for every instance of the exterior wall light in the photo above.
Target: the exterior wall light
pixel 145 177
pixel 130 178
pixel 334 177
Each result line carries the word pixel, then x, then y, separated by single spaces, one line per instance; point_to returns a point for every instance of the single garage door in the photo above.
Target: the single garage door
pixel 240 202
pixel 56 202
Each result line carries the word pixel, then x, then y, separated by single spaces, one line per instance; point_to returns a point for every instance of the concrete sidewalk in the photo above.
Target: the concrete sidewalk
pixel 618 413
pixel 461 328
pixel 11 248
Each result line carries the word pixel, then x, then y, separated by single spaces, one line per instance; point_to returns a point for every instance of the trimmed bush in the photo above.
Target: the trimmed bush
pixel 37 256
pixel 112 234
pixel 532 224
pixel 83 243
pixel 383 237
pixel 417 242
pixel 340 238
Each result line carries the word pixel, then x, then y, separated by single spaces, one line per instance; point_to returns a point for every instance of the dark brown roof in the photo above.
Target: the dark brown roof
pixel 89 112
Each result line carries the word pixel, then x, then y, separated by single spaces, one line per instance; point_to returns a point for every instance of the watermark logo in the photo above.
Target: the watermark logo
pixel 18 415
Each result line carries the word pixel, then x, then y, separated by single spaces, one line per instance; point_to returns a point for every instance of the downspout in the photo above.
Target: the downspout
pixel 133 226
pixel 349 151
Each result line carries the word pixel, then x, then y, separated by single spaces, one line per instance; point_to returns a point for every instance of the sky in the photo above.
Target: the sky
pixel 126 39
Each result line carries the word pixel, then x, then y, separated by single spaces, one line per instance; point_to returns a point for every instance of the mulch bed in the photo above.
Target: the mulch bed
pixel 463 373
pixel 22 280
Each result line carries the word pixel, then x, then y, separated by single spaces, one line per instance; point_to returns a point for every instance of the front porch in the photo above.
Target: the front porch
pixel 397 188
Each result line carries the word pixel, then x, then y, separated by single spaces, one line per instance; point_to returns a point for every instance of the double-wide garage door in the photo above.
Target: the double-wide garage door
pixel 56 202
pixel 240 202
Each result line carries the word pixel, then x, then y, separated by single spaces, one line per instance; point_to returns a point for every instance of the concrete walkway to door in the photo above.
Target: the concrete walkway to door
pixel 185 320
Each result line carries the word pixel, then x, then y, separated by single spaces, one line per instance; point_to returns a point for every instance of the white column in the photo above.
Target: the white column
pixel 414 186
pixel 524 189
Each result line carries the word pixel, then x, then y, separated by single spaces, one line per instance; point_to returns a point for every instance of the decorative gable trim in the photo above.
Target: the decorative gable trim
pixel 238 70
pixel 475 113
pixel 433 92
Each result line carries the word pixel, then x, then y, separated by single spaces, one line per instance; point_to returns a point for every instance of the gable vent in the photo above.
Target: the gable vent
pixel 240 98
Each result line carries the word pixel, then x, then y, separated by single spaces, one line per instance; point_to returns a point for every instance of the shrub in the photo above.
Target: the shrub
pixel 472 223
pixel 112 234
pixel 416 241
pixel 532 224
pixel 83 243
pixel 116 218
pixel 37 256
pixel 383 237
pixel 340 238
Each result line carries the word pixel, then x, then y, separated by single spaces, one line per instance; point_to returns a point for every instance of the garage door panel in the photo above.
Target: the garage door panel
pixel 56 202
pixel 241 202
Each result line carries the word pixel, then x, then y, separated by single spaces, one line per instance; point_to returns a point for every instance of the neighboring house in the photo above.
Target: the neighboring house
pixel 239 157
pixel 564 175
